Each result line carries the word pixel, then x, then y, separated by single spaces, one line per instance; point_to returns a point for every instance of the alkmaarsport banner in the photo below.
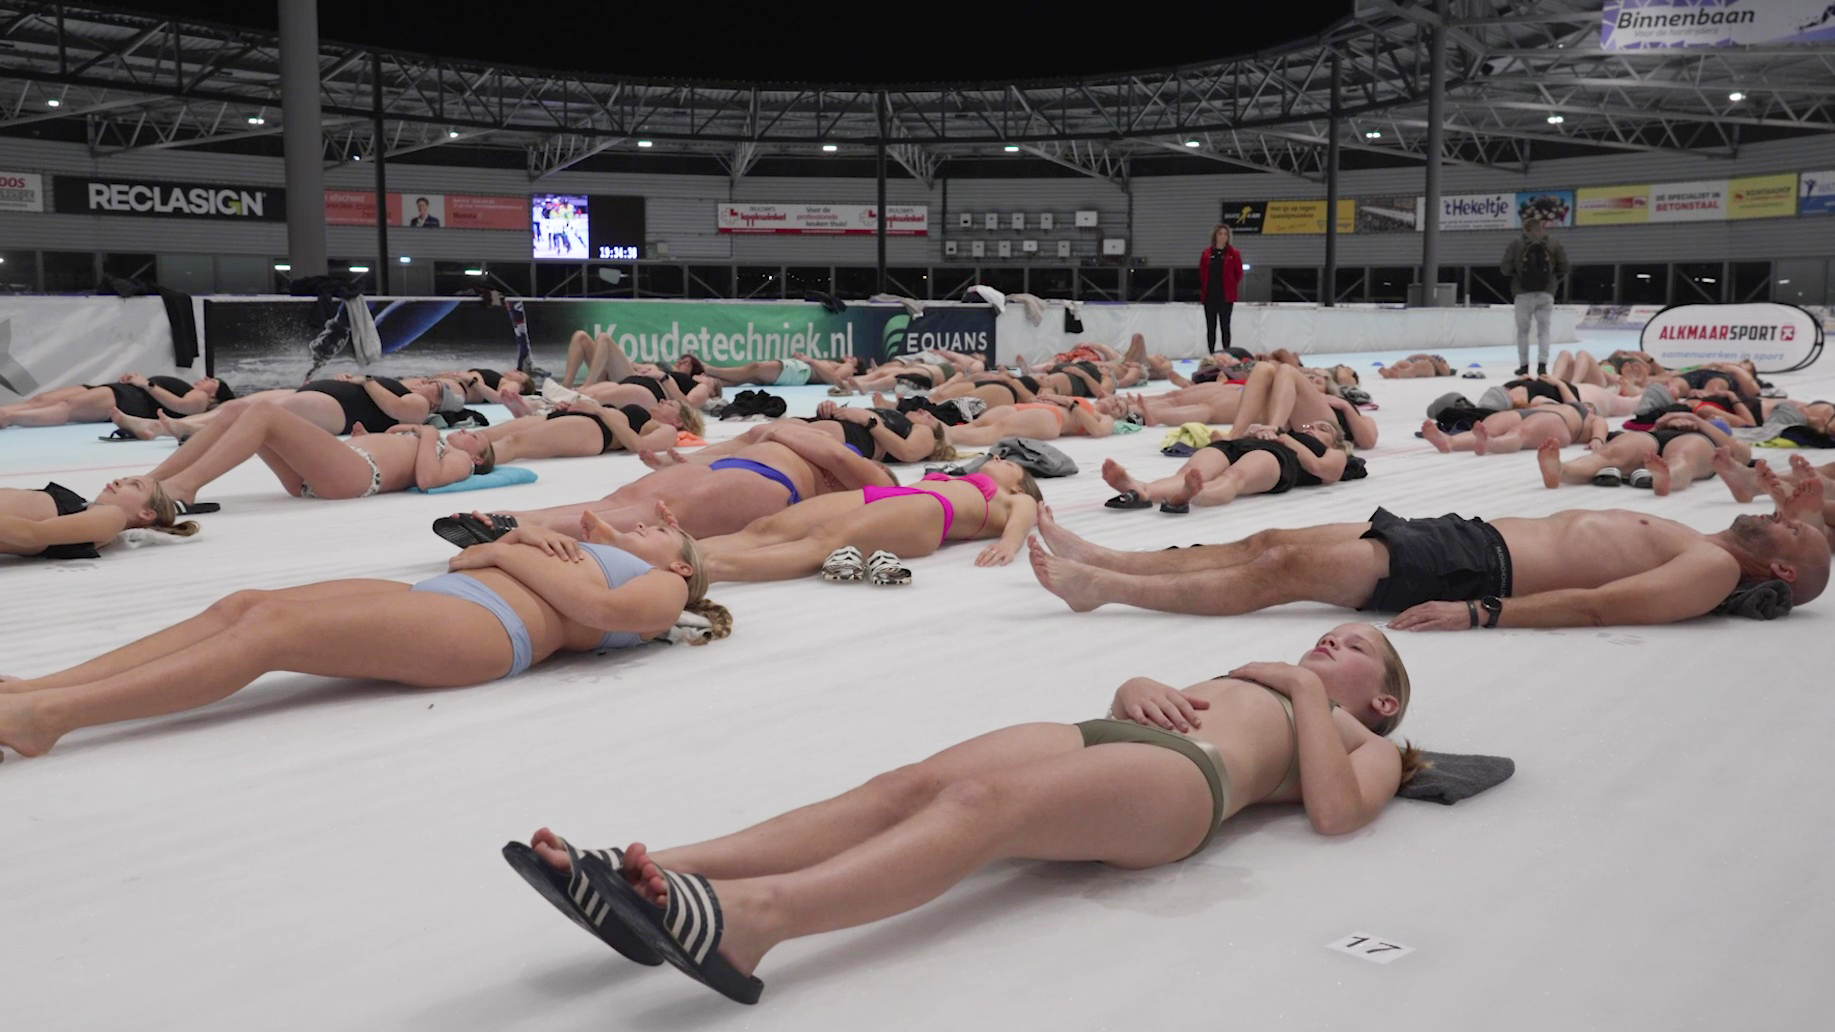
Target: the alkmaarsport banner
pixel 265 342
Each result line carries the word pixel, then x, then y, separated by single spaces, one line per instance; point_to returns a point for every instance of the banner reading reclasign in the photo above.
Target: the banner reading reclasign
pixel 22 191
pixel 1661 24
pixel 836 219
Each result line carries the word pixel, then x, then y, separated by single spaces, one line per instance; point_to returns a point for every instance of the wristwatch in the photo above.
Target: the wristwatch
pixel 1493 607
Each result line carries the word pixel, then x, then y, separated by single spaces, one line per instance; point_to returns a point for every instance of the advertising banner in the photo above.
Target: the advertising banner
pixel 265 343
pixel 22 191
pixel 1660 24
pixel 1244 218
pixel 827 219
pixel 1815 193
pixel 1555 207
pixel 1762 197
pixel 118 335
pixel 1611 205
pixel 1701 201
pixel 1478 211
pixel 1388 214
pixel 1307 217
pixel 456 211
pixel 1777 338
pixel 78 195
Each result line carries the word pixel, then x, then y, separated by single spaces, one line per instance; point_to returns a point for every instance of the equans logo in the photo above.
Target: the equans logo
pixel 900 338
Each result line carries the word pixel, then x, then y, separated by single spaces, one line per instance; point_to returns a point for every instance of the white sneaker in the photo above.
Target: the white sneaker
pixel 553 391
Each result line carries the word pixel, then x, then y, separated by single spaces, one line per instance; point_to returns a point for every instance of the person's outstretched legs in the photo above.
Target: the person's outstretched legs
pixel 1336 574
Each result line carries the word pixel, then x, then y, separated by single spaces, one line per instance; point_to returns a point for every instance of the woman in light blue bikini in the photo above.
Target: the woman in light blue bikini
pixel 505 607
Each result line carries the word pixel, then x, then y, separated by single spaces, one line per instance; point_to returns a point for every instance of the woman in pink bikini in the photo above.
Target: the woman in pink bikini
pixel 1000 501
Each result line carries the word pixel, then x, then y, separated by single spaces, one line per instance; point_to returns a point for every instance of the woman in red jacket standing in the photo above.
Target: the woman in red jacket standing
pixel 1219 273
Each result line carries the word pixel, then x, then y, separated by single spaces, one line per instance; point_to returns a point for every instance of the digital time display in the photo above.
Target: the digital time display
pixel 587 227
pixel 613 253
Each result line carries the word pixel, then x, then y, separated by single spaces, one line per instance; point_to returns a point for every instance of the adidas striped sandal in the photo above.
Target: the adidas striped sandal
pixel 844 564
pixel 885 568
pixel 574 896
pixel 686 932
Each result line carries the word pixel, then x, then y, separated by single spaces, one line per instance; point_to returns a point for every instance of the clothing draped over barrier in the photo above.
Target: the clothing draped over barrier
pixel 1177 330
pixel 49 342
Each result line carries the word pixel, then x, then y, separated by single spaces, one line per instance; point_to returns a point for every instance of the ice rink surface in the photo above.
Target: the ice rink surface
pixel 323 855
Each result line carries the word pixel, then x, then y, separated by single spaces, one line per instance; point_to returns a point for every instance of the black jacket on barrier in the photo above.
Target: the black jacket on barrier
pixel 179 314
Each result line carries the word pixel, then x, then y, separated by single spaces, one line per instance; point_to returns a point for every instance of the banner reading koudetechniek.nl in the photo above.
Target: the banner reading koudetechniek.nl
pixel 1663 24
pixel 264 343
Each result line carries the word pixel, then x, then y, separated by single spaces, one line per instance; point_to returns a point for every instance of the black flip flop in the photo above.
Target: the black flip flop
pixel 695 910
pixel 121 434
pixel 1176 508
pixel 196 508
pixel 1128 500
pixel 575 898
pixel 465 530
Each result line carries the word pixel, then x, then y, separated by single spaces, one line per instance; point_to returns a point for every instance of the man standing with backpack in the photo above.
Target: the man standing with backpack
pixel 1535 264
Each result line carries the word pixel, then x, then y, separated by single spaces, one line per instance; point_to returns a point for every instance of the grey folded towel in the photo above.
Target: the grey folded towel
pixel 1760 600
pixel 1450 777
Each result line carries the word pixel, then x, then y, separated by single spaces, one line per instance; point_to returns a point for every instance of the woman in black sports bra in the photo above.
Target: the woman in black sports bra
pixel 1268 461
pixel 996 388
pixel 576 429
pixel 1524 429
pixel 55 522
pixel 135 396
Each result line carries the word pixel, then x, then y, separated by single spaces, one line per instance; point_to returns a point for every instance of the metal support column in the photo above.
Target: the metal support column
pixel 880 103
pixel 1436 114
pixel 1328 293
pixel 305 150
pixel 380 147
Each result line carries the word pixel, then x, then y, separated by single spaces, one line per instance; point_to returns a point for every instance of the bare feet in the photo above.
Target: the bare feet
pixel 145 429
pixel 1435 436
pixel 1548 457
pixel 21 729
pixel 1117 477
pixel 1070 581
pixel 1481 437
pixel 1772 484
pixel 594 529
pixel 1740 480
pixel 1069 545
pixel 1189 486
pixel 175 427
pixel 1658 466
pixel 1804 503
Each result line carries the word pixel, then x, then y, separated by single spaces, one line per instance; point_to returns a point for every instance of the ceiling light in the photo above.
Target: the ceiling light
pixel 1643 275
pixel 474 272
pixel 1010 149
pixel 356 157
pixel 1736 96
pixel 1709 279
pixel 452 134
pixel 257 120
pixel 405 260
pixel 645 143
pixel 282 267
pixel 1555 119
pixel 53 102
pixel 1193 143
pixel 829 148
pixel 1372 134
pixel 359 268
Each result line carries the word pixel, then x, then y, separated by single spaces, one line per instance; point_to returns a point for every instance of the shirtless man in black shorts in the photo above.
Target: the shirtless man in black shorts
pixel 1574 569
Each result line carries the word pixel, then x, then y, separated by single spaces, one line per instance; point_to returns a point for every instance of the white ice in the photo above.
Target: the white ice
pixel 324 855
